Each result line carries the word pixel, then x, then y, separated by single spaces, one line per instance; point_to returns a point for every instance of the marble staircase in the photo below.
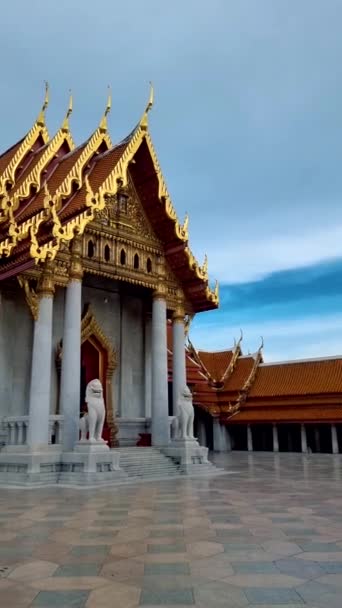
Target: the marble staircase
pixel 147 463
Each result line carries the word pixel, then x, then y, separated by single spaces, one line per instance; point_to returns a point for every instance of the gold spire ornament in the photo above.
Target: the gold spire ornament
pixel 103 123
pixel 144 119
pixel 65 124
pixel 41 117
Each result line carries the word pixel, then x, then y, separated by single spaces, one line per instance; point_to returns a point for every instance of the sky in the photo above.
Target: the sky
pixel 247 125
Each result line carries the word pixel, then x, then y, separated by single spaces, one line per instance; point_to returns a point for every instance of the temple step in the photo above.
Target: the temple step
pixel 145 462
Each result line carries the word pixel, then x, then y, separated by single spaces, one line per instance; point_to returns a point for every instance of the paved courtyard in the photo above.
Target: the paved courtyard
pixel 267 534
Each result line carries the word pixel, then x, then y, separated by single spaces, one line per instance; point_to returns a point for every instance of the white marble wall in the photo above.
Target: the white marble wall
pixel 16 334
pixel 132 366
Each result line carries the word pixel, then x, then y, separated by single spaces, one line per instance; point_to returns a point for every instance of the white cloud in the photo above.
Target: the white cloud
pixel 237 262
pixel 300 338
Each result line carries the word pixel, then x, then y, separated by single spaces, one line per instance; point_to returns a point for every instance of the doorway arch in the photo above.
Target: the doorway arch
pixel 98 360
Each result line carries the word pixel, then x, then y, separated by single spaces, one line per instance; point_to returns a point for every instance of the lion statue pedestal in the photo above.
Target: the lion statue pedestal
pixel 184 447
pixel 91 461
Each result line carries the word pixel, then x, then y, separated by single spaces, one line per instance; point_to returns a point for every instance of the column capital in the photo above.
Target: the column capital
pixel 179 313
pixel 160 291
pixel 46 284
pixel 76 266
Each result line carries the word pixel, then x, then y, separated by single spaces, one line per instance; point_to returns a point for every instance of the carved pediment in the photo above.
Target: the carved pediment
pixel 124 210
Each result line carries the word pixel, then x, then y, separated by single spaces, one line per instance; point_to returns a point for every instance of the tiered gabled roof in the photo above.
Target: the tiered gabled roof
pixel 15 160
pixel 50 191
pixel 217 366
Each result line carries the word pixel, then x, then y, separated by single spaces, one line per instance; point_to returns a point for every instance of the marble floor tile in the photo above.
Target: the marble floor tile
pixel 60 599
pixel 174 597
pixel 270 597
pixel 268 535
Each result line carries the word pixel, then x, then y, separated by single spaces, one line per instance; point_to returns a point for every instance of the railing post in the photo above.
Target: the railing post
pixel 20 435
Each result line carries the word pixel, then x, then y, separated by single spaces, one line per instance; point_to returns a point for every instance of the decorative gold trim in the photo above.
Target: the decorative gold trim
pixel 31 297
pixel 39 128
pixel 46 284
pixel 76 267
pixel 241 400
pixel 18 233
pixel 235 357
pixel 34 177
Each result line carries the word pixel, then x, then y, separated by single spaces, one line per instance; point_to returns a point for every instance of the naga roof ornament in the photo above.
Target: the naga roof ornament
pixel 7 176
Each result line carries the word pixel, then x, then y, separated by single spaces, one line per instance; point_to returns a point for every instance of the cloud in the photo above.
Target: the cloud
pixel 298 313
pixel 234 262
pixel 298 338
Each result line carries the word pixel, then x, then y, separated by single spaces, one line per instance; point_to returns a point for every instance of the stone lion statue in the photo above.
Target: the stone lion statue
pixel 183 425
pixel 93 421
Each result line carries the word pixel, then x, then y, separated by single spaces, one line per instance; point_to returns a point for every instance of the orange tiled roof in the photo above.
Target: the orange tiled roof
pixel 216 363
pixel 240 374
pixel 298 378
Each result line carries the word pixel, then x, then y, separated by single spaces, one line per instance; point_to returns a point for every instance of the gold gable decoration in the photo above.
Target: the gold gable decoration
pixel 124 210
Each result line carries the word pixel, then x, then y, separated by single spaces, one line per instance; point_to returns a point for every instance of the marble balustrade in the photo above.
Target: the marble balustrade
pixel 14 429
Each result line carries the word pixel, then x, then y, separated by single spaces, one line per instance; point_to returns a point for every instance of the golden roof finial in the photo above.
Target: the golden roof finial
pixel 103 123
pixel 205 264
pixel 65 125
pixel 144 119
pixel 41 117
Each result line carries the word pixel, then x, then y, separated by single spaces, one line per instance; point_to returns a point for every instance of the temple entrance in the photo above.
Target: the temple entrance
pixel 98 360
pixel 94 365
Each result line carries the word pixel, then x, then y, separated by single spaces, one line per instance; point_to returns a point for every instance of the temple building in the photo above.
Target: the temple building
pixel 97 281
pixel 243 403
pixel 93 264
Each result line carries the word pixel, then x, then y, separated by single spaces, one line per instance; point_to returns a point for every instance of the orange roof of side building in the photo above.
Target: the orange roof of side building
pixel 308 377
pixel 290 391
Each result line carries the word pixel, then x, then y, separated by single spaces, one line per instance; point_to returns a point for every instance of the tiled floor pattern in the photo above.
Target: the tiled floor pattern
pixel 267 535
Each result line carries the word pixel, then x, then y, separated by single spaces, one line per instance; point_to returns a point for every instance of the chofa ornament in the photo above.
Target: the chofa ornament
pixel 93 421
pixel 183 425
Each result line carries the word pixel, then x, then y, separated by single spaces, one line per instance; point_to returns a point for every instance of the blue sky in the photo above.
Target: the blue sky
pixel 248 128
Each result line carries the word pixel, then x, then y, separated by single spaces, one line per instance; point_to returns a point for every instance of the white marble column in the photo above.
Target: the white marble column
pixel 71 358
pixel 160 408
pixel 304 443
pixel 275 438
pixel 221 437
pixel 39 397
pixel 148 365
pixel 178 357
pixel 201 432
pixel 249 438
pixel 334 439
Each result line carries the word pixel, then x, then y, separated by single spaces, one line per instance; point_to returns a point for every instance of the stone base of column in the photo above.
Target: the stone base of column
pixel 90 463
pixel 191 458
pixel 20 466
